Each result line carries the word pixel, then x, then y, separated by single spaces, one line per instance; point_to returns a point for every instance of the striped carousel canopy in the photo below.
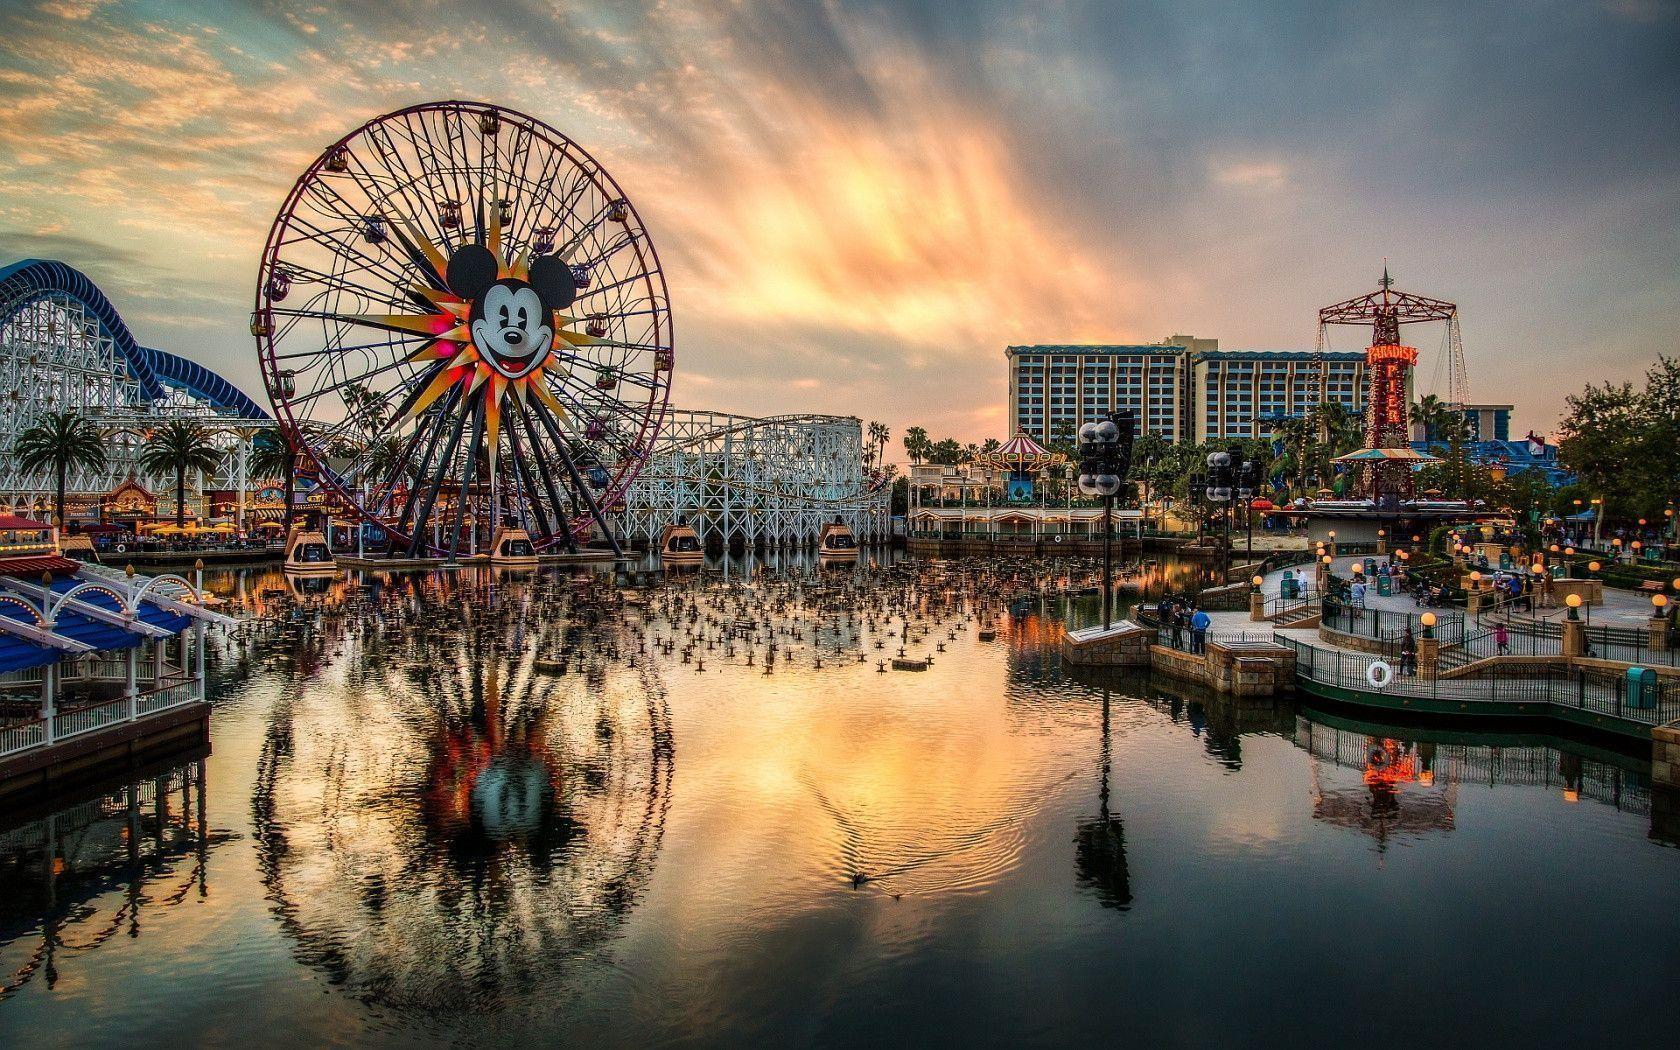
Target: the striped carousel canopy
pixel 1397 455
pixel 1019 453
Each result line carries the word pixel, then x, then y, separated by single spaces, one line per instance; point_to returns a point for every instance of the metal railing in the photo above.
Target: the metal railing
pixel 1601 692
pixel 1481 645
pixel 23 735
pixel 1604 641
pixel 1388 625
pixel 1184 642
pixel 174 694
pixel 1287 608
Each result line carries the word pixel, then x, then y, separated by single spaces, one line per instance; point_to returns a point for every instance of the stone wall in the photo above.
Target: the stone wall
pixel 1125 644
pixel 1665 755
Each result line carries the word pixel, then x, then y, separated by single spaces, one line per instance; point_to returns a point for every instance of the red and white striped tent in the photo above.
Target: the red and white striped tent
pixel 1021 453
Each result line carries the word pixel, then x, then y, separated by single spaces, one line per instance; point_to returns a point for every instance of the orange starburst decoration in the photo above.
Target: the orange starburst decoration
pixel 456 356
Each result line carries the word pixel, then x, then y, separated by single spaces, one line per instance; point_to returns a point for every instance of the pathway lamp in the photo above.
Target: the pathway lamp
pixel 1428 620
pixel 1574 603
pixel 1105 458
pixel 1258 581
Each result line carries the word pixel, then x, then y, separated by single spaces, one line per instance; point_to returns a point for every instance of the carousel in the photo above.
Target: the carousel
pixel 1021 460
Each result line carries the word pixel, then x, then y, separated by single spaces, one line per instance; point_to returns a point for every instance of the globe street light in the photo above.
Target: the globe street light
pixel 1105 457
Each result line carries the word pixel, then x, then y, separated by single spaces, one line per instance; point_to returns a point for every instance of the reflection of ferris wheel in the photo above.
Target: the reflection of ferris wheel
pixel 461 319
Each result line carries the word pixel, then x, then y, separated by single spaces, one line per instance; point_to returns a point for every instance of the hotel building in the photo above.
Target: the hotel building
pixel 1182 388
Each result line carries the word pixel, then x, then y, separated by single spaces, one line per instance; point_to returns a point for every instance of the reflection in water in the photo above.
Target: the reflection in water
pixel 1409 786
pixel 92 870
pixel 1101 853
pixel 472 799
pixel 461 790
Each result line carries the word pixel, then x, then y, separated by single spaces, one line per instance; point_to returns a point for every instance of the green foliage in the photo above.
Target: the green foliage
pixel 179 446
pixel 916 444
pixel 61 442
pixel 1624 443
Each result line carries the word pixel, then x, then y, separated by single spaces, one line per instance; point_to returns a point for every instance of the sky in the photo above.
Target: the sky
pixel 859 205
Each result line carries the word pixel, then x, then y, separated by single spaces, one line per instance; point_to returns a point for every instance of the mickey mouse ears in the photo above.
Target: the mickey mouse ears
pixel 473 268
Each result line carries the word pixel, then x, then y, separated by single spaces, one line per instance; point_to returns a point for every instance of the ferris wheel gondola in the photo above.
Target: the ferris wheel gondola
pixel 462 322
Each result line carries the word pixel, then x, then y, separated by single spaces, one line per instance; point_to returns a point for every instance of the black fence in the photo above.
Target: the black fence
pixel 1650 701
pixel 1389 625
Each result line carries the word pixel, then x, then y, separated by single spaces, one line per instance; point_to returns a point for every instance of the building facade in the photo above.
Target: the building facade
pixel 1055 389
pixel 1182 388
pixel 1238 393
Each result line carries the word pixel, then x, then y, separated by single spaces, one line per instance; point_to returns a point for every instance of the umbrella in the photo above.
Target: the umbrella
pixel 1262 504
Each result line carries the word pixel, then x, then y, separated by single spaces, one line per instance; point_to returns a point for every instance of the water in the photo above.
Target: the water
pixel 408 834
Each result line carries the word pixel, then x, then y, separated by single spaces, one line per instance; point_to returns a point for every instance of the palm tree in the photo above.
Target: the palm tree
pixel 916 444
pixel 878 434
pixel 61 440
pixel 272 457
pixel 1432 414
pixel 1295 435
pixel 179 445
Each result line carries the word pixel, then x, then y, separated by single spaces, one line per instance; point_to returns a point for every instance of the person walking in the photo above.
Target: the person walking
pixel 1199 624
pixel 1501 639
pixel 1408 654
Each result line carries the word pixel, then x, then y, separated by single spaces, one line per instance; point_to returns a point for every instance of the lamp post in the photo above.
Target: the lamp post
pixel 1221 480
pixel 1105 457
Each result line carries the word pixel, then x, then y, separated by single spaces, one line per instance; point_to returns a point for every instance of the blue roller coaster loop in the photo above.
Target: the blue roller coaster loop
pixel 156 371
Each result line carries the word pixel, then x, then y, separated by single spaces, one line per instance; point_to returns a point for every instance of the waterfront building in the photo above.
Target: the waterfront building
pixel 94 662
pixel 1053 390
pixel 1239 393
pixel 1183 388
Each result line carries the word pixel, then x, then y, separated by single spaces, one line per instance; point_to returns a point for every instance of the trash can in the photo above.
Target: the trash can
pixel 1289 589
pixel 1504 559
pixel 1385 586
pixel 1641 687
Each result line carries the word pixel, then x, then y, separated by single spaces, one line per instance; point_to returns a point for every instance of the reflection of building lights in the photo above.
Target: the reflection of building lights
pixel 1571 795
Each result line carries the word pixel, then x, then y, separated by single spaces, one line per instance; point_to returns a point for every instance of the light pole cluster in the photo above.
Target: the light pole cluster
pixel 1105 458
pixel 1231 479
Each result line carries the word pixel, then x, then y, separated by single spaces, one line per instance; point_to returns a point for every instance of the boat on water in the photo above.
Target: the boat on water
pixel 307 553
pixel 679 544
pixel 511 548
pixel 836 542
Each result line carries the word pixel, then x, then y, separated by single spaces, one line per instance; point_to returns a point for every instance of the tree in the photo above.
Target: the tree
pixel 989 446
pixel 1624 442
pixel 946 452
pixel 61 441
pixel 272 456
pixel 878 435
pixel 179 445
pixel 916 444
pixel 1294 437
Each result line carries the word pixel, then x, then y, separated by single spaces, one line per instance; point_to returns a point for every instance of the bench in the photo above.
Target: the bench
pixel 1652 585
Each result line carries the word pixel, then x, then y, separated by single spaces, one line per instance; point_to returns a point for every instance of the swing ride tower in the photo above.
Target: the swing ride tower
pixel 1388 370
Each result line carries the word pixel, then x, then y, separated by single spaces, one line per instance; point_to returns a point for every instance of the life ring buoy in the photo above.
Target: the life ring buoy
pixel 122 548
pixel 1378 758
pixel 1379 674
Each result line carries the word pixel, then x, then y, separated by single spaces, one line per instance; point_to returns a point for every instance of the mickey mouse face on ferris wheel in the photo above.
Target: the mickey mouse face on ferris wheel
pixel 512 320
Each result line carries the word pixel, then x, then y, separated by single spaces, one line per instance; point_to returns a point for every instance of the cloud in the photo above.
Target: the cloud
pixel 870 199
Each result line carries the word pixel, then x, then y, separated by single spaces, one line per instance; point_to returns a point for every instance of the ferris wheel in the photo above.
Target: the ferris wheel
pixel 461 322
